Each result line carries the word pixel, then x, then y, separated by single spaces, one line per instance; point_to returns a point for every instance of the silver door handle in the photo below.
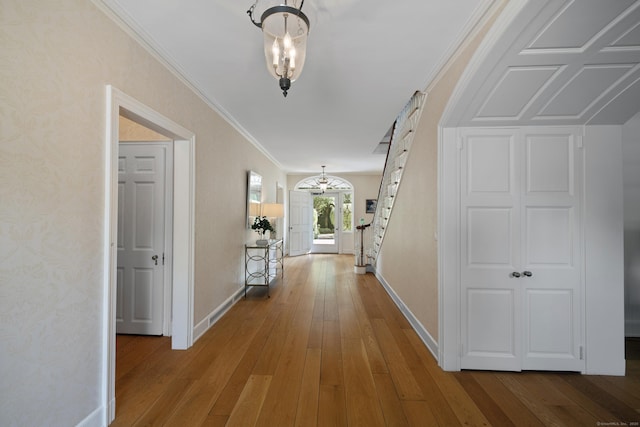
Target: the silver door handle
pixel 515 274
pixel 155 259
pixel 527 273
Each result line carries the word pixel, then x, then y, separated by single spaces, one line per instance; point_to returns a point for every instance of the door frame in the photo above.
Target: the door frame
pixel 168 229
pixel 118 103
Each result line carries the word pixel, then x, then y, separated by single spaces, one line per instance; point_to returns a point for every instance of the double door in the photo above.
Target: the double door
pixel 521 249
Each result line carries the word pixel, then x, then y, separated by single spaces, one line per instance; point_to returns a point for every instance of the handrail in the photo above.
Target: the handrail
pixel 397 155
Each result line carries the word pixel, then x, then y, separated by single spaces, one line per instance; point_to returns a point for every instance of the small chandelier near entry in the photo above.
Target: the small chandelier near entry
pixel 323 181
pixel 285 31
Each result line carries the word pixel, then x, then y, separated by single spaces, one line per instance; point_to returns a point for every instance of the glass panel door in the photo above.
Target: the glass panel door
pixel 326 231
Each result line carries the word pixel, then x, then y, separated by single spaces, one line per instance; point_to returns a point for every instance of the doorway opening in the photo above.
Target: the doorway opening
pixel 182 263
pixel 330 225
pixel 325 231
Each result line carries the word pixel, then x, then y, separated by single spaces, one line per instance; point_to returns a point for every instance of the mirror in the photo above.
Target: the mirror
pixel 254 196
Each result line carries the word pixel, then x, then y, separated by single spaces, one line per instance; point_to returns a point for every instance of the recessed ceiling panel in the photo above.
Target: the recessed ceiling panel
pixel 579 22
pixel 622 108
pixel 515 90
pixel 629 39
pixel 586 87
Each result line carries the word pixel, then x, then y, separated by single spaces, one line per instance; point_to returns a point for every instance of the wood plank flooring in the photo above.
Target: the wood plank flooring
pixel 329 348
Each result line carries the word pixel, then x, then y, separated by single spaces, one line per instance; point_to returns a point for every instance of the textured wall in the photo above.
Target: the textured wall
pixel 55 59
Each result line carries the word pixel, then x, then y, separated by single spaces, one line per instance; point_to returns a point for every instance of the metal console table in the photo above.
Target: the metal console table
pixel 261 264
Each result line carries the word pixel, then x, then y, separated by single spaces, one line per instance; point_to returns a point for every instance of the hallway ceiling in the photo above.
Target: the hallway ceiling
pixel 365 59
pixel 556 62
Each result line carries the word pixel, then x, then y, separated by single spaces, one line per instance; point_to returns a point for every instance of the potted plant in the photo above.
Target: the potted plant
pixel 261 225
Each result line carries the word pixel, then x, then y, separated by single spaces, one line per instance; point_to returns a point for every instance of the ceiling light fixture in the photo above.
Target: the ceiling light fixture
pixel 285 31
pixel 323 181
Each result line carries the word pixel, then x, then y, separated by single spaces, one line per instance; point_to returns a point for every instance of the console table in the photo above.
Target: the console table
pixel 261 264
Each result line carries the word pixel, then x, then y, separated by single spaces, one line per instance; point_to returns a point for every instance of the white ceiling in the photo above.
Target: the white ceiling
pixel 547 62
pixel 364 61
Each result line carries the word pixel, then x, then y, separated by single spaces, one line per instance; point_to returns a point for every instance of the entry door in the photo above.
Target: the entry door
pixel 326 232
pixel 141 238
pixel 521 300
pixel 300 223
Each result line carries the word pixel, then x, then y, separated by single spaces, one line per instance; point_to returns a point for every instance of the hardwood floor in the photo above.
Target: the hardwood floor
pixel 330 348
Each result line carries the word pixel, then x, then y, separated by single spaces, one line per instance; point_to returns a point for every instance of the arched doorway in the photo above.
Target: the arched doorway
pixel 332 214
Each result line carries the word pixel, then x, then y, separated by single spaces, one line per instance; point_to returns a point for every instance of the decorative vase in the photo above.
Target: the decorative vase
pixel 262 242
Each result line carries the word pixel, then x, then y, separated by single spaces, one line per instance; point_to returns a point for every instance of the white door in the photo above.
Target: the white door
pixel 326 232
pixel 300 223
pixel 141 239
pixel 520 250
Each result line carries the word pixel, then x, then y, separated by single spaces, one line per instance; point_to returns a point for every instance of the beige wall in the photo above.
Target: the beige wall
pixel 408 260
pixel 131 131
pixel 55 61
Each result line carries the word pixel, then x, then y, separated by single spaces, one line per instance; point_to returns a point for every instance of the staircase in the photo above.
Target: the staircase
pixel 399 147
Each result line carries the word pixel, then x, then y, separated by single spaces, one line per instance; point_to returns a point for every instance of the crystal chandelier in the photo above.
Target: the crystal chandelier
pixel 285 31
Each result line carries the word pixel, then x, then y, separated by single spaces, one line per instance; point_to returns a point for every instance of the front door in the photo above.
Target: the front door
pixel 300 224
pixel 520 258
pixel 326 229
pixel 141 239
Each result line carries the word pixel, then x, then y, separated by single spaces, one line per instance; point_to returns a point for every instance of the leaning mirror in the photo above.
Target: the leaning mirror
pixel 254 196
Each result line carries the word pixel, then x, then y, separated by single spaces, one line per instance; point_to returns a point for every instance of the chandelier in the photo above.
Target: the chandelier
pixel 323 181
pixel 285 31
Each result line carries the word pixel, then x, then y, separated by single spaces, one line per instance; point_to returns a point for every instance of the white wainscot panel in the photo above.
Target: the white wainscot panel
pixel 142 295
pixel 549 164
pixel 489 236
pixel 549 320
pixel 489 168
pixel 549 237
pixel 490 322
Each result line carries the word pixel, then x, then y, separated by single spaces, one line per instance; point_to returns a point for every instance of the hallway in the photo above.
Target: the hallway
pixel 330 348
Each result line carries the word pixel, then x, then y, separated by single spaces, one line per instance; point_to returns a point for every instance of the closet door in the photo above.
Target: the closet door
pixel 551 251
pixel 520 270
pixel 490 295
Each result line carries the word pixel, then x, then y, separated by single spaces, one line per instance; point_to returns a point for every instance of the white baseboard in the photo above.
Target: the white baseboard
pixel 424 335
pixel 95 419
pixel 208 321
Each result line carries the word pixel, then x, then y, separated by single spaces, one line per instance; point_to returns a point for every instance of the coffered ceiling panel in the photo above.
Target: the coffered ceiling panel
pixel 515 90
pixel 579 22
pixel 576 62
pixel 591 83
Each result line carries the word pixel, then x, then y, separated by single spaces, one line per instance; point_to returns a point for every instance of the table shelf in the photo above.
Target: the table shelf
pixel 262 264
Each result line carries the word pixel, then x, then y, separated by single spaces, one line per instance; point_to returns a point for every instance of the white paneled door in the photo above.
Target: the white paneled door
pixel 520 263
pixel 141 238
pixel 300 223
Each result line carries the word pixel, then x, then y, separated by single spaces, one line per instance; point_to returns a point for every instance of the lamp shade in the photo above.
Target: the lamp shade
pixel 254 209
pixel 273 210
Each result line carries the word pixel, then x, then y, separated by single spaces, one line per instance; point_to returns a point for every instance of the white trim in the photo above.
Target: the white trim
pixel 118 103
pixel 213 317
pixel 424 335
pixel 94 419
pixel 483 11
pixel 448 250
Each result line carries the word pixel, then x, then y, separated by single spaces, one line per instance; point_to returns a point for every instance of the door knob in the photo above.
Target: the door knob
pixel 155 258
pixel 527 273
pixel 515 274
